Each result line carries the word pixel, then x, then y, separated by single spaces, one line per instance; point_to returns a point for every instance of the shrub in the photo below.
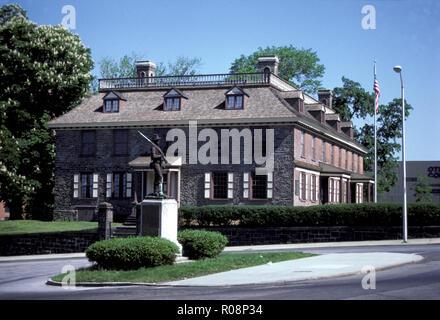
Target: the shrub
pixel 363 214
pixel 197 244
pixel 132 253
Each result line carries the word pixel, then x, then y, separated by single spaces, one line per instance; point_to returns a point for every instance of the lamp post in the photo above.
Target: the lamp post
pixel 398 69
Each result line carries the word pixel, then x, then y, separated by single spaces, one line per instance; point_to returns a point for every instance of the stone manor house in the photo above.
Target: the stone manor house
pixel 100 156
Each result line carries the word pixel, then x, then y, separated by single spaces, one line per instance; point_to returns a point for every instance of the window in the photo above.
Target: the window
pixel 85 185
pixel 235 98
pixel 87 143
pixel 108 106
pixel 330 189
pixel 112 102
pixel 332 154
pixel 314 189
pixel 173 100
pixel 323 159
pixel 302 147
pixel 338 190
pixel 235 102
pixel 120 142
pixel 119 185
pixel 313 147
pixel 346 159
pixel 259 186
pixel 352 162
pixel 172 103
pixel 220 185
pixel 340 158
pixel 302 186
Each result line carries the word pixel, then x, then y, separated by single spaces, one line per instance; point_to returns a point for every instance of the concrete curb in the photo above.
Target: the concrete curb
pixel 255 248
pixel 286 282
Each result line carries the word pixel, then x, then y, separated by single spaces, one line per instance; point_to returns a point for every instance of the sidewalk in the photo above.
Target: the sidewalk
pixel 318 267
pixel 255 248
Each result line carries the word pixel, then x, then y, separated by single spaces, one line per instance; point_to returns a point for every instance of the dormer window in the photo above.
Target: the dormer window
pixel 235 98
pixel 112 102
pixel 173 100
pixel 172 103
pixel 112 106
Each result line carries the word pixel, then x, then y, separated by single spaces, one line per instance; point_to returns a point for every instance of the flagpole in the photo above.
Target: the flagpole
pixel 375 141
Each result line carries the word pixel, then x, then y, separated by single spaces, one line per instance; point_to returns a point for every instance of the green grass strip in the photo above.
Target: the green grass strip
pixel 35 226
pixel 223 262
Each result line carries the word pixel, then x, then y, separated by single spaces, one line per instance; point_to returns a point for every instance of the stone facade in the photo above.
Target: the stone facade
pixel 70 162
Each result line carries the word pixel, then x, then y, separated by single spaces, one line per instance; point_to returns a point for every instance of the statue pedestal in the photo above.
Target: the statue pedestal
pixel 159 218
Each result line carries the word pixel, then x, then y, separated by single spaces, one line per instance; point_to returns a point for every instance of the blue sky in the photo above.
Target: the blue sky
pixel 407 33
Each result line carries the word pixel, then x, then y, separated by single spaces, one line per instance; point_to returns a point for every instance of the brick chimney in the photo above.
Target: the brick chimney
pixel 268 63
pixel 326 98
pixel 145 69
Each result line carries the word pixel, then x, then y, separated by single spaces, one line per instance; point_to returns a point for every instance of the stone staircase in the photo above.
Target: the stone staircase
pixel 128 229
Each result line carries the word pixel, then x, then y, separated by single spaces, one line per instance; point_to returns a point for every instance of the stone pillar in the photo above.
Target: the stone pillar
pixel 105 219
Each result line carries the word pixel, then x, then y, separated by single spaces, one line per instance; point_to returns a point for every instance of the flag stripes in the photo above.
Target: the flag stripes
pixel 377 90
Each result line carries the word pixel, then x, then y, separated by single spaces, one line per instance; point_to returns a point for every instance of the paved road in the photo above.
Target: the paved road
pixel 25 280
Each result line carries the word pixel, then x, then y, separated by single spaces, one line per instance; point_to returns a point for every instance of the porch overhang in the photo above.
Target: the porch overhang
pixel 361 178
pixel 144 162
pixel 331 171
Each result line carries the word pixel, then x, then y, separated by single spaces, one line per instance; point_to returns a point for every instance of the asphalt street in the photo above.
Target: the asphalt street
pixel 26 280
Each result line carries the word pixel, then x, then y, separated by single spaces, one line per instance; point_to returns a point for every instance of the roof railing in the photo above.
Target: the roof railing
pixel 185 81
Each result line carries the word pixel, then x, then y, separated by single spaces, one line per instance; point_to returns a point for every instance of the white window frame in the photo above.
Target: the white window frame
pixel 76 186
pixel 230 185
pixel 246 185
pixel 269 187
pixel 207 184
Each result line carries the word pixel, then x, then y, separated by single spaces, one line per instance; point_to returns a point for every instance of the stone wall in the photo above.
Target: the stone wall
pixel 47 243
pixel 239 236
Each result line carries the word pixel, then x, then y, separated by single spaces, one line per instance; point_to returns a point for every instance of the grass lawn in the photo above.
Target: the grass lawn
pixel 35 226
pixel 223 262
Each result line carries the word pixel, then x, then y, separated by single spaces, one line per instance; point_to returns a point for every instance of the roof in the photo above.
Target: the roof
pixel 145 107
pixel 329 170
pixel 268 102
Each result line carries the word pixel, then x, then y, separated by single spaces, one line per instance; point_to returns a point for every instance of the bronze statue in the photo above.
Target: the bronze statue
pixel 157 163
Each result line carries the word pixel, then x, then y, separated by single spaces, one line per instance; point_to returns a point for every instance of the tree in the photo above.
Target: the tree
pixel 352 102
pixel 183 66
pixel 422 189
pixel 299 66
pixel 126 68
pixel 44 72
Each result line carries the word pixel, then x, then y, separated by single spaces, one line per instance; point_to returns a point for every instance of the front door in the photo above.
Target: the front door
pixel 170 183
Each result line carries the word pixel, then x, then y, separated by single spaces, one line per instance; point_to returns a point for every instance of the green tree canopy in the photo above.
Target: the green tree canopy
pixel 354 103
pixel 299 66
pixel 422 189
pixel 126 68
pixel 44 72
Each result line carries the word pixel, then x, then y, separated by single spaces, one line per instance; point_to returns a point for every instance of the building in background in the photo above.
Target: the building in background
pixel 429 169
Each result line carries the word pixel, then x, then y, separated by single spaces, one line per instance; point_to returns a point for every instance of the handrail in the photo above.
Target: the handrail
pixel 185 80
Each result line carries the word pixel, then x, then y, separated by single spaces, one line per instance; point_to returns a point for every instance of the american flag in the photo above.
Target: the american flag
pixel 377 90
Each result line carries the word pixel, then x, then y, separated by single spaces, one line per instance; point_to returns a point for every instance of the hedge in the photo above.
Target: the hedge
pixel 364 214
pixel 198 244
pixel 132 253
